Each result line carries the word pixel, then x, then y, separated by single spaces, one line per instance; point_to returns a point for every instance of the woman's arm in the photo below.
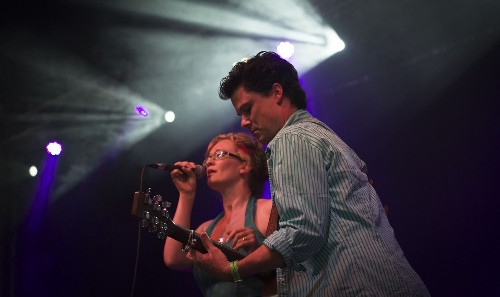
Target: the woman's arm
pixel 185 182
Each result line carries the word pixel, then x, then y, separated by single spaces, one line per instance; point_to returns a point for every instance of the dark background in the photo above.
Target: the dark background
pixel 416 93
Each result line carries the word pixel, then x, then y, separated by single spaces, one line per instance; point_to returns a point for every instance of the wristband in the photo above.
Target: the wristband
pixel 234 272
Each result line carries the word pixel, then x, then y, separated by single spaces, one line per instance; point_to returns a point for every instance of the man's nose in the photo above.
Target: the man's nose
pixel 245 122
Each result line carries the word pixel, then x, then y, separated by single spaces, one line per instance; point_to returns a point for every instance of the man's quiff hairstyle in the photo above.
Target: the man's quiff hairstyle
pixel 259 74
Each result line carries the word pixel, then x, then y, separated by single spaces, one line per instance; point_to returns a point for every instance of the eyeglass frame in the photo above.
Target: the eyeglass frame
pixel 220 154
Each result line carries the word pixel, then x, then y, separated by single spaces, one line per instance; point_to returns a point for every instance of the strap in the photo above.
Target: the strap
pixel 273 221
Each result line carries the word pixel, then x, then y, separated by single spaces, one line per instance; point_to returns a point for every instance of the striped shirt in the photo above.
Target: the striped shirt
pixel 333 233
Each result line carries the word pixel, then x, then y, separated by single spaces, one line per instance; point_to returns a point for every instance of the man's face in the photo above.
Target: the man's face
pixel 258 114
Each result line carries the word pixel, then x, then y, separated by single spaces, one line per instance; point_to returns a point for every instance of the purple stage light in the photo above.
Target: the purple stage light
pixel 54 148
pixel 141 110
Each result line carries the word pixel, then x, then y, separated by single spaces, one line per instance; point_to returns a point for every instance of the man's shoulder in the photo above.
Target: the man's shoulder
pixel 301 125
pixel 308 128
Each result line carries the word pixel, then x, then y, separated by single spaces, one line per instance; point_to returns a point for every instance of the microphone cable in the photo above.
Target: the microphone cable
pixel 132 291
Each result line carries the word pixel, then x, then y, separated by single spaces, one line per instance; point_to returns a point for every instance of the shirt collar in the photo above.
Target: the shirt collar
pixel 296 117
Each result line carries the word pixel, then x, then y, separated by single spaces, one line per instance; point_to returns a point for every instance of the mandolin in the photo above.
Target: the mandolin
pixel 154 216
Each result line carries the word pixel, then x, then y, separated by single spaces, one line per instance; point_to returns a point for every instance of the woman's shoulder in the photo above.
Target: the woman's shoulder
pixel 262 213
pixel 264 205
pixel 204 226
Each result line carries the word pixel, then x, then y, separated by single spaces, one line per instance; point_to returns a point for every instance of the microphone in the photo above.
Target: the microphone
pixel 199 171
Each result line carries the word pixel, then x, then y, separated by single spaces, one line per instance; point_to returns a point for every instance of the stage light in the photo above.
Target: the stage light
pixel 285 50
pixel 33 171
pixel 141 110
pixel 169 116
pixel 54 148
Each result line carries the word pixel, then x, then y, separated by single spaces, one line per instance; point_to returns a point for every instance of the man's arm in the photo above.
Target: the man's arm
pixel 261 260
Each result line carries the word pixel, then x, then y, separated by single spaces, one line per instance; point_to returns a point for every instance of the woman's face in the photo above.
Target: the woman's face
pixel 223 169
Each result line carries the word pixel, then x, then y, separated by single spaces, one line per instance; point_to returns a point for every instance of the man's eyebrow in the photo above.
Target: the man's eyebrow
pixel 238 112
pixel 244 107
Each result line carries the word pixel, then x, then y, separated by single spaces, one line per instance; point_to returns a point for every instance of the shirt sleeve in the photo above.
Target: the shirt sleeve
pixel 300 192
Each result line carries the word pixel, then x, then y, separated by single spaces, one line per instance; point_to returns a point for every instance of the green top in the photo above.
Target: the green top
pixel 211 286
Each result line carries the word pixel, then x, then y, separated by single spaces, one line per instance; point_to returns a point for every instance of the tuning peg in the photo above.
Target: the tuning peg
pixel 147 197
pixel 157 200
pixel 157 207
pixel 153 226
pixel 161 233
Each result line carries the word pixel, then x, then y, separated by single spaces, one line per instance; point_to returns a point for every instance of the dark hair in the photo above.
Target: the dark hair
pixel 253 149
pixel 259 73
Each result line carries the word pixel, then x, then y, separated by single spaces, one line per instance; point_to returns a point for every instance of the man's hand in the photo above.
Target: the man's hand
pixel 214 261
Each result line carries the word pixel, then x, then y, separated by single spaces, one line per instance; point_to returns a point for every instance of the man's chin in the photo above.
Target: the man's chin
pixel 257 136
pixel 262 139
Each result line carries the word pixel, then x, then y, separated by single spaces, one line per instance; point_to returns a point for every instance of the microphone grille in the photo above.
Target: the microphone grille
pixel 200 171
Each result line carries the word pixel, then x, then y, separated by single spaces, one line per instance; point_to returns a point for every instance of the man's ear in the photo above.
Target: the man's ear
pixel 277 92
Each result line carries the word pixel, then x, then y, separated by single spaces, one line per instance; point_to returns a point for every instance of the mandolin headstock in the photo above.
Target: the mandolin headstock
pixel 153 212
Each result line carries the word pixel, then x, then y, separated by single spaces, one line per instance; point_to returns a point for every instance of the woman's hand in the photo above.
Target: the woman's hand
pixel 185 179
pixel 243 238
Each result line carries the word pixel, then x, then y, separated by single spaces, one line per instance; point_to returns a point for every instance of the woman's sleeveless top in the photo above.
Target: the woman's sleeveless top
pixel 211 286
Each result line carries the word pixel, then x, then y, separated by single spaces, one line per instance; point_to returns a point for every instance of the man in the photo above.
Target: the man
pixel 334 238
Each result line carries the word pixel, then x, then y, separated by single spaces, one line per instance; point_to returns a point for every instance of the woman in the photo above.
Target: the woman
pixel 236 169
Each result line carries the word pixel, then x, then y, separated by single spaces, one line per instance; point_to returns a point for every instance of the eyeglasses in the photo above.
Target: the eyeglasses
pixel 219 154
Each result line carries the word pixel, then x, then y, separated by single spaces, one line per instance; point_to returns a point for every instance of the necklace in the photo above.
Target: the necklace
pixel 221 229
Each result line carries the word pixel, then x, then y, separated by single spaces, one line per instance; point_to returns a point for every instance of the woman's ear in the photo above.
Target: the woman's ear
pixel 245 168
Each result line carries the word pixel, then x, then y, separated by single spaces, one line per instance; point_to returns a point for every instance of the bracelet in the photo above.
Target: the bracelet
pixel 234 272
